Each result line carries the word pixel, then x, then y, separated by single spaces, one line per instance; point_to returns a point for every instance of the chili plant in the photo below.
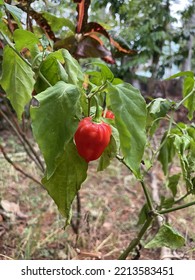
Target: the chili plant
pixel 68 112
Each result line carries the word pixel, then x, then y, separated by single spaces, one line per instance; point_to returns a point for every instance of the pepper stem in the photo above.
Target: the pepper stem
pixel 98 111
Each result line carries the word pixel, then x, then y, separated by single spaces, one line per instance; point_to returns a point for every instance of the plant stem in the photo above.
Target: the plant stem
pixel 89 106
pixel 169 118
pixel 181 198
pixel 121 159
pixel 136 241
pixel 165 211
pixel 147 195
pixel 185 98
pixel 101 88
pixel 97 112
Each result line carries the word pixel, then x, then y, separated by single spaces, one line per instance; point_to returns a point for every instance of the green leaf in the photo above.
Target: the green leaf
pixel 182 74
pixel 53 122
pixel 166 152
pixel 110 152
pixel 5 30
pixel 25 39
pixel 53 71
pixel 98 78
pixel 117 81
pixel 186 171
pixel 66 181
pixel 173 182
pixel 95 77
pixel 58 55
pixel 181 143
pixel 15 12
pixel 106 73
pixel 73 69
pixel 168 237
pixel 45 41
pixel 159 107
pixel 57 23
pixel 17 80
pixel 129 108
pixel 188 88
pixel 166 202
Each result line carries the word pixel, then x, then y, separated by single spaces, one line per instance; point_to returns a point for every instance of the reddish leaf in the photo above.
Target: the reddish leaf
pixel 92 46
pixel 109 59
pixel 82 9
pixel 40 20
pixel 95 27
pixel 69 43
pixel 94 36
pixel 1 44
pixel 120 48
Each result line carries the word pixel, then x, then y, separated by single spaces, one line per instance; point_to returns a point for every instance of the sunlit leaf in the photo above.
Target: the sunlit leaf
pixel 15 12
pixel 188 88
pixel 57 23
pixel 182 74
pixel 17 80
pixel 129 108
pixel 168 237
pixel 73 69
pixel 53 72
pixel 106 73
pixel 24 38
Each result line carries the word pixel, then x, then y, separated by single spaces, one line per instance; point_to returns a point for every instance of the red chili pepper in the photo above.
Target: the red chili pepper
pixel 109 114
pixel 92 138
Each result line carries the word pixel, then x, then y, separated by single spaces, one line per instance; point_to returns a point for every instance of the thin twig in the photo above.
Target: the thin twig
pixel 99 89
pixel 176 208
pixel 164 251
pixel 6 257
pixel 147 195
pixel 182 198
pixel 185 98
pixel 21 136
pixel 18 168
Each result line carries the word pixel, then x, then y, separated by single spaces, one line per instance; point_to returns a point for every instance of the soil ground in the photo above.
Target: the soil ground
pixel 31 227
